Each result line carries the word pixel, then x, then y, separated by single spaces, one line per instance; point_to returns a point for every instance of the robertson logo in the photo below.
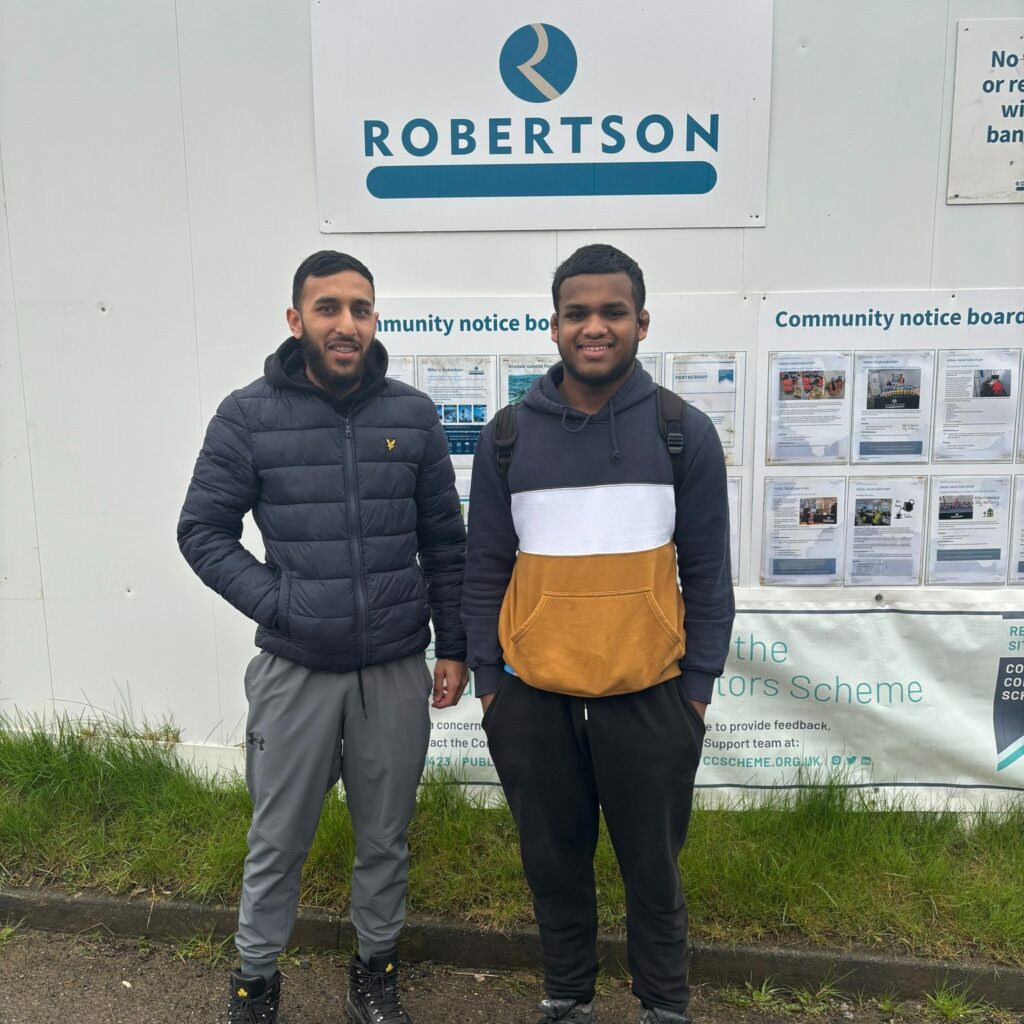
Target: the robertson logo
pixel 440 157
pixel 1008 712
pixel 538 63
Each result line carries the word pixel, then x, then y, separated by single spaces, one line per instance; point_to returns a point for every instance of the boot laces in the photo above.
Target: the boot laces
pixel 382 994
pixel 252 1011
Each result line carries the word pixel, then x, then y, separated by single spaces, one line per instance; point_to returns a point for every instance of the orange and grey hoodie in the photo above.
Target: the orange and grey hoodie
pixel 588 572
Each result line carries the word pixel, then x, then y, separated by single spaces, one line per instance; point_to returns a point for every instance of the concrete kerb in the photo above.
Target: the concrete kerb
pixel 449 941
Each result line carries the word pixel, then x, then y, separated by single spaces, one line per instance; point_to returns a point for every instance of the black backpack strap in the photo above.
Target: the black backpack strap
pixel 505 429
pixel 671 410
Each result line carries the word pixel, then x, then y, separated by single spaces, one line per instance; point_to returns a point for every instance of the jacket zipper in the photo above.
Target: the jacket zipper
pixel 355 543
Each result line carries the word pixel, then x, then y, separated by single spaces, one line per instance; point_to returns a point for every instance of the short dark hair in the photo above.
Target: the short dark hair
pixel 600 259
pixel 324 264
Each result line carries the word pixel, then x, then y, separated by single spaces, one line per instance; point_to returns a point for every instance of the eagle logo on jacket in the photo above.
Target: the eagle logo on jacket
pixel 391 442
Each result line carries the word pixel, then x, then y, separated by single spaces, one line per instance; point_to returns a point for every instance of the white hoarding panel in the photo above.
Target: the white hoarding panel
pixel 986 143
pixel 512 124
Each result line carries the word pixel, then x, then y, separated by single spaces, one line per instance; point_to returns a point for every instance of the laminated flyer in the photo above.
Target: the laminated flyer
pixel 711 381
pixel 885 531
pixel 969 523
pixel 462 388
pixel 402 368
pixel 892 406
pixel 803 531
pixel 651 362
pixel 1016 573
pixel 517 374
pixel 977 405
pixel 735 485
pixel 808 407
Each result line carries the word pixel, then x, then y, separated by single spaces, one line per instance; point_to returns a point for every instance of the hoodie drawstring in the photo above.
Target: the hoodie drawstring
pixel 586 419
pixel 615 440
pixel 573 430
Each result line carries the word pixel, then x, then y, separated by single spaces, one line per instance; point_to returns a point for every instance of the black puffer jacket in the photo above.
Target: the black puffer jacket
pixel 346 494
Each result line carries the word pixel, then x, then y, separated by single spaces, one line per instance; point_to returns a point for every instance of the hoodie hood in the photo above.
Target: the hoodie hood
pixel 286 368
pixel 544 396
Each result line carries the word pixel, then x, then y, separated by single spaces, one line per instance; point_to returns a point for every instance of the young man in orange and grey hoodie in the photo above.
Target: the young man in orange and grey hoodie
pixel 598 608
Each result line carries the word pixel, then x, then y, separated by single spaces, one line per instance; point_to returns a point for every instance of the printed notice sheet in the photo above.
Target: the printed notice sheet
pixel 803 532
pixel 402 368
pixel 892 406
pixel 517 374
pixel 711 381
pixel 651 362
pixel 969 521
pixel 808 407
pixel 977 405
pixel 462 388
pixel 1017 547
pixel 735 484
pixel 885 531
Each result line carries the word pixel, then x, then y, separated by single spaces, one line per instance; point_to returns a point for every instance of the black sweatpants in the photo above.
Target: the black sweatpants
pixel 635 756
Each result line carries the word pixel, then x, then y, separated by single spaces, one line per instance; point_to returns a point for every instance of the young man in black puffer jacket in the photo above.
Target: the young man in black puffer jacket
pixel 348 477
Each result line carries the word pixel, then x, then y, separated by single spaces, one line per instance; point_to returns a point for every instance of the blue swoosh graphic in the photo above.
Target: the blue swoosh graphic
pixel 476 181
pixel 1007 761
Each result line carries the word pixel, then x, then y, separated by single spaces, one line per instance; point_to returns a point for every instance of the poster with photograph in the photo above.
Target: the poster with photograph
pixel 803 532
pixel 651 362
pixel 977 405
pixel 402 368
pixel 808 407
pixel 735 525
pixel 885 531
pixel 462 388
pixel 892 406
pixel 969 523
pixel 516 374
pixel 711 381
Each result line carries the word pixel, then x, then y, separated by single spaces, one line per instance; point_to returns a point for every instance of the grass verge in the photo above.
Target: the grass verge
pixel 110 810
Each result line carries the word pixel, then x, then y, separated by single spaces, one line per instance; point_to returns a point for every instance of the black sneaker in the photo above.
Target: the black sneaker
pixel 566 1011
pixel 373 996
pixel 254 1000
pixel 656 1015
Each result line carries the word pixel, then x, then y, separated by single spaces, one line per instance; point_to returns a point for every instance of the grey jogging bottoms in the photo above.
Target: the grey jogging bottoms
pixel 304 730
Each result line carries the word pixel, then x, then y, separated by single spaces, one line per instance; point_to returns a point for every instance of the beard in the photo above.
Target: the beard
pixel 619 372
pixel 337 384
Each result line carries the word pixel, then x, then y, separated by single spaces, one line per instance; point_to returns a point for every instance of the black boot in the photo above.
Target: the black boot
pixel 566 1011
pixel 655 1015
pixel 373 996
pixel 254 1000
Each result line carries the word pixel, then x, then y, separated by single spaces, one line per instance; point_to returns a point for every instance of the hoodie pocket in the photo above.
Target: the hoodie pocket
pixel 595 644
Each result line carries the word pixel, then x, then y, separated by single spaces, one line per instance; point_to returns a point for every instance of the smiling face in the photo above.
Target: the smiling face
pixel 598 330
pixel 335 324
